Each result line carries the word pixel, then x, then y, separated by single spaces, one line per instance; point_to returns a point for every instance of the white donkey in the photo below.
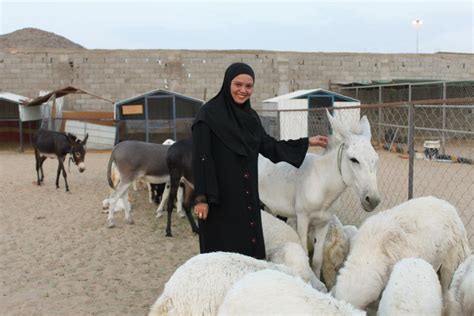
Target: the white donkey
pixel 308 192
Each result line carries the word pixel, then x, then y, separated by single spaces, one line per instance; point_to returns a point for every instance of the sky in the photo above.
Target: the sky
pixel 305 26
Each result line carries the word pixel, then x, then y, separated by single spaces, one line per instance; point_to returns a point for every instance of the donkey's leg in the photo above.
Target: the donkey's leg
pixel 164 199
pixel 302 222
pixel 175 176
pixel 188 191
pixel 58 173
pixel 126 208
pixel 319 239
pixel 37 160
pixel 42 159
pixel 61 164
pixel 150 192
pixel 179 203
pixel 119 191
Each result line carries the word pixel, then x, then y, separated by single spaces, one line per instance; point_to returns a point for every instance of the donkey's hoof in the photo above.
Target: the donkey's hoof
pixel 110 224
pixel 181 214
pixel 159 214
pixel 130 221
pixel 105 204
pixel 168 234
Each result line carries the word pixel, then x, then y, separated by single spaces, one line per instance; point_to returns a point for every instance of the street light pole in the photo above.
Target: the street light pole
pixel 417 23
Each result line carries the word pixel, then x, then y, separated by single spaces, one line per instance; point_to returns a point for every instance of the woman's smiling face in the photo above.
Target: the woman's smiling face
pixel 241 88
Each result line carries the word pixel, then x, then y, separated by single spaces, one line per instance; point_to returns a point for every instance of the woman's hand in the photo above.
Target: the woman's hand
pixel 201 209
pixel 321 141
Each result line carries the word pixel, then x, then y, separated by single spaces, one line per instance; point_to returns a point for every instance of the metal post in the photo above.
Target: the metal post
pixel 53 114
pixel 278 136
pixel 411 150
pixel 174 118
pixel 381 138
pixel 29 132
pixel 146 120
pixel 21 135
pixel 417 40
pixel 443 135
pixel 411 143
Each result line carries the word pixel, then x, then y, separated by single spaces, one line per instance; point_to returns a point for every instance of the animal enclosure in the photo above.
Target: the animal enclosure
pixel 400 175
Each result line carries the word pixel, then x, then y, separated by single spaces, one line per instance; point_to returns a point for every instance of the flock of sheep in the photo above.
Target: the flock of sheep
pixel 413 259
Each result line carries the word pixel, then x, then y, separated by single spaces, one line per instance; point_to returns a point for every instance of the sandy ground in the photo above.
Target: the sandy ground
pixel 58 258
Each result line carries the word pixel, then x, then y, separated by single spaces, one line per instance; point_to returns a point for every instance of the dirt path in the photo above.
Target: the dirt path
pixel 57 256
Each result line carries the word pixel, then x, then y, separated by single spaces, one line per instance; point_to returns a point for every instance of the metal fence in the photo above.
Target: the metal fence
pixel 409 91
pixel 424 147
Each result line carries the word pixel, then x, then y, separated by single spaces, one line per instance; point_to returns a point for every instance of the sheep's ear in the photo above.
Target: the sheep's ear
pixel 365 127
pixel 337 127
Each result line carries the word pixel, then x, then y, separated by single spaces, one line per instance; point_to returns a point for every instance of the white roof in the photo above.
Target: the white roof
pixel 155 91
pixel 300 93
pixel 12 97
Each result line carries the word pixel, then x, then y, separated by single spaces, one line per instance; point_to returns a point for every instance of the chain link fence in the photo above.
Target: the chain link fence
pixel 424 148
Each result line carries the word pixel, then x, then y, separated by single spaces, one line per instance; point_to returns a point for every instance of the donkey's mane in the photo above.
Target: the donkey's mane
pixel 73 137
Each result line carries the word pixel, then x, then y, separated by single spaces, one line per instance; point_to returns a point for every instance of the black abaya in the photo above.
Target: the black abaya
pixel 227 138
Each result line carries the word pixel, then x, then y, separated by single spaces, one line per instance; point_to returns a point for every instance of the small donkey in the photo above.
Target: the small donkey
pixel 57 145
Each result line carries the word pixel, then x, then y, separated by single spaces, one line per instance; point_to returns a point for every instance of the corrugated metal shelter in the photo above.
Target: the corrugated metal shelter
pixel 155 116
pixel 101 131
pixel 12 116
pixel 295 124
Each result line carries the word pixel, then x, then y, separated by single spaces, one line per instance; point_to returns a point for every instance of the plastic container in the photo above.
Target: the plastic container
pixel 431 149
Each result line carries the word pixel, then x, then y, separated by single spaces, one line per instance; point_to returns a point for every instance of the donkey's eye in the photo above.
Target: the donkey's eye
pixel 77 154
pixel 354 160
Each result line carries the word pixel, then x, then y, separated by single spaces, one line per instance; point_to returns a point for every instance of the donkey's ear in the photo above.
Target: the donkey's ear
pixel 84 141
pixel 71 139
pixel 337 127
pixel 365 127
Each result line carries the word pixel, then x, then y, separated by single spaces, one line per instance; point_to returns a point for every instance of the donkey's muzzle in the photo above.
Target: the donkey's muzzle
pixel 370 202
pixel 82 167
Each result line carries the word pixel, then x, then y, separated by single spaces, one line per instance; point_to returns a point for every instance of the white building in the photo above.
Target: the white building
pixel 294 124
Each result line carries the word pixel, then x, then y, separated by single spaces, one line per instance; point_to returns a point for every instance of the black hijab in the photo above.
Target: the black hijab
pixel 236 125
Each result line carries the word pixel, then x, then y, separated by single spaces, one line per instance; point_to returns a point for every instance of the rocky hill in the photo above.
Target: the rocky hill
pixel 31 38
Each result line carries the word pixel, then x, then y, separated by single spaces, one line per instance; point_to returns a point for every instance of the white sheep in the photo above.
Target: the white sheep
pixel 199 285
pixel 460 297
pixel 282 245
pixel 413 289
pixel 427 228
pixel 270 292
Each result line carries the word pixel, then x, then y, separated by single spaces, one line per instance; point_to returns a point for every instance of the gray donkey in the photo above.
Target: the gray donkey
pixel 134 160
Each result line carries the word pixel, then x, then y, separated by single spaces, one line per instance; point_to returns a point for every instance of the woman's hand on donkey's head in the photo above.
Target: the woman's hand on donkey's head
pixel 321 141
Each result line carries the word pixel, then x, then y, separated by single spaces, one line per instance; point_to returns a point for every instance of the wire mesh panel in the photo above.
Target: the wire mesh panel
pixel 443 155
pixel 444 145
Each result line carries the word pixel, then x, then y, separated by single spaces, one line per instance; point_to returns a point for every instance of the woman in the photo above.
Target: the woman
pixel 227 138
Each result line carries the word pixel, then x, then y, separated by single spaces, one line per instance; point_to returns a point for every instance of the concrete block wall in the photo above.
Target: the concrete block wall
pixel 120 74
